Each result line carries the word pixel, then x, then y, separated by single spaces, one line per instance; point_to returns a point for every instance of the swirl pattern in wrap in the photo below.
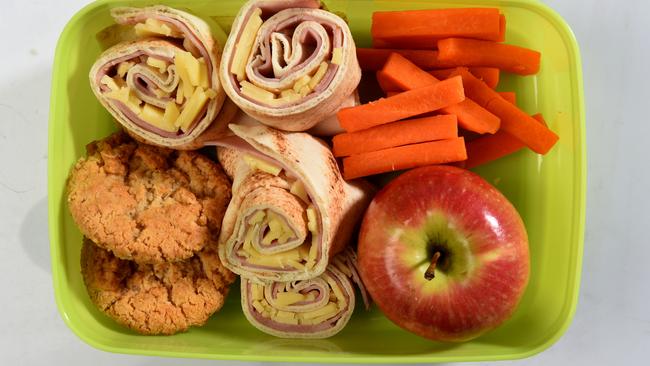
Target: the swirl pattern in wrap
pixel 316 308
pixel 288 63
pixel 162 86
pixel 291 210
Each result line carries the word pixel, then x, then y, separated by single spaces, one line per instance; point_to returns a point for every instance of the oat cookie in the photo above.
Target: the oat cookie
pixel 163 298
pixel 145 203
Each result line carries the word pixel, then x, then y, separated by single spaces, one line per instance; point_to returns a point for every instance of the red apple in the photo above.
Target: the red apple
pixel 443 253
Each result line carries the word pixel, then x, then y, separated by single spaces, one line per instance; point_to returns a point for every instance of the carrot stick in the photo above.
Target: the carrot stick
pixel 539 118
pixel 371 59
pixel 411 43
pixel 513 120
pixel 490 75
pixel 522 126
pixel 396 134
pixel 407 76
pixel 404 157
pixel 470 52
pixel 422 28
pixel 509 96
pixel 378 43
pixel 470 135
pixel 473 117
pixel 502 28
pixel 407 46
pixel 442 74
pixel 386 83
pixel 391 93
pixel 402 105
pixel 492 147
pixel 481 93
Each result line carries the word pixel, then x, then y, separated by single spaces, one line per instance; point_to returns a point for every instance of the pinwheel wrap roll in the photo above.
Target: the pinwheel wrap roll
pixel 288 63
pixel 291 210
pixel 315 308
pixel 162 86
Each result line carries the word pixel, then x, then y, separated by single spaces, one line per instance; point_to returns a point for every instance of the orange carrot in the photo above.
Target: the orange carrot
pixel 405 44
pixel 396 134
pixel 470 135
pixel 502 28
pixel 470 52
pixel 492 147
pixel 391 93
pixel 539 118
pixel 402 105
pixel 522 126
pixel 509 96
pixel 473 117
pixel 442 74
pixel 481 93
pixel 490 75
pixel 386 83
pixel 513 120
pixel 404 157
pixel 371 59
pixel 407 76
pixel 422 28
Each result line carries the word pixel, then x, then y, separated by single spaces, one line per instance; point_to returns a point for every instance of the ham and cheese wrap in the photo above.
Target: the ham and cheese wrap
pixel 316 308
pixel 291 210
pixel 288 63
pixel 162 86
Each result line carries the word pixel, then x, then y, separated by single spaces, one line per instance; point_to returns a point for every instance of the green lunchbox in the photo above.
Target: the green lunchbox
pixel 548 191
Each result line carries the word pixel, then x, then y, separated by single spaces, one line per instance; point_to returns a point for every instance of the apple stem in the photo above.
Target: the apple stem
pixel 429 274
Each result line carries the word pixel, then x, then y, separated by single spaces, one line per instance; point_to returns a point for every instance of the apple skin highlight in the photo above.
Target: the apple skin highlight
pixel 484 268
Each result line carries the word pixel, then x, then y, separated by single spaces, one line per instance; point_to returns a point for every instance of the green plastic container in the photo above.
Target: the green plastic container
pixel 548 191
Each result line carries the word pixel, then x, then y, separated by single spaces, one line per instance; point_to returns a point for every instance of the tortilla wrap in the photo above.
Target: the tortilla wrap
pixel 162 85
pixel 316 308
pixel 289 63
pixel 291 210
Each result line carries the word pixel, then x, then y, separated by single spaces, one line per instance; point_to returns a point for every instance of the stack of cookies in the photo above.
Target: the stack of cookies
pixel 151 218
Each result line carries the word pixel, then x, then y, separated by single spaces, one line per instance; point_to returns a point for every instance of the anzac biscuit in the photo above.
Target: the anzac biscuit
pixel 145 203
pixel 163 298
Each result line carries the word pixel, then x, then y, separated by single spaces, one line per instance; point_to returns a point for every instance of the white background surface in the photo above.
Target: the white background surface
pixel 612 323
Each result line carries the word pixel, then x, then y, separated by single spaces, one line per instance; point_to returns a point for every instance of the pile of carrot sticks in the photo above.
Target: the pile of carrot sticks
pixel 439 69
